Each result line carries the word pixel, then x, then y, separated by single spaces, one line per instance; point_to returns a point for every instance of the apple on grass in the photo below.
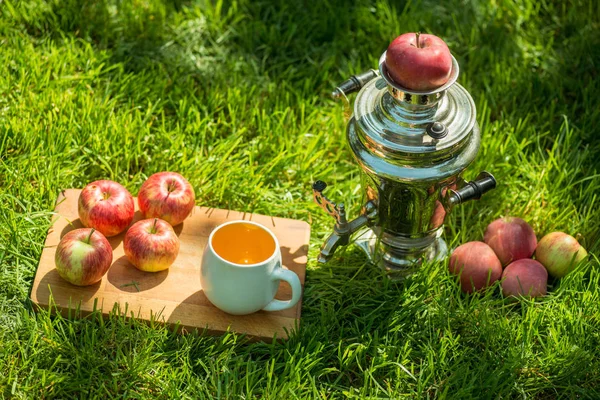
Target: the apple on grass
pixel 83 256
pixel 168 196
pixel 419 62
pixel 151 245
pixel 476 264
pixel 559 253
pixel 511 239
pixel 524 277
pixel 106 206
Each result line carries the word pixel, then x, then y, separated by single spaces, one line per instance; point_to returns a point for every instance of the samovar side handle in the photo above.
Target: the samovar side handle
pixel 473 190
pixel 342 229
pixel 354 83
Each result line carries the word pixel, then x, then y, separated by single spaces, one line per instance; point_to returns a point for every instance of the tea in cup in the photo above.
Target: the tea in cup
pixel 241 269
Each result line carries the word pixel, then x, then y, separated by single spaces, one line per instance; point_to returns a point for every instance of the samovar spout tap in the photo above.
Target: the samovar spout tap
pixel 342 229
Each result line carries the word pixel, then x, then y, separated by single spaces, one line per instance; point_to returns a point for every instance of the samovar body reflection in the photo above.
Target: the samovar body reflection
pixel 412 148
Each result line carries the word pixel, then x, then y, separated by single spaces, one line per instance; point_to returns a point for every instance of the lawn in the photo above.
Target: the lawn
pixel 234 95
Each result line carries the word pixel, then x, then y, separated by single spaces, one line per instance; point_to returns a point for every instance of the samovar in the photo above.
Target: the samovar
pixel 412 147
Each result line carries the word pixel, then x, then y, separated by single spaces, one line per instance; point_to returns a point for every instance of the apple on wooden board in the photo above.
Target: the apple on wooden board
pixel 511 239
pixel 151 245
pixel 419 61
pixel 83 256
pixel 476 264
pixel 168 196
pixel 106 206
pixel 524 277
pixel 559 253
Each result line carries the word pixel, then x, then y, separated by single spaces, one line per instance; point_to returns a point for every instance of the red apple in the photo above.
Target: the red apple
pixel 106 206
pixel 83 256
pixel 151 245
pixel 511 239
pixel 419 61
pixel 476 264
pixel 168 196
pixel 524 277
pixel 559 253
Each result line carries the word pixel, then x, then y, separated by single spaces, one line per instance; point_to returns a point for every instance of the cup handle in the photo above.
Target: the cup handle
pixel 291 278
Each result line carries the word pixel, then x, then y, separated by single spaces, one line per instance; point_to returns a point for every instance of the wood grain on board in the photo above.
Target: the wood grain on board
pixel 173 296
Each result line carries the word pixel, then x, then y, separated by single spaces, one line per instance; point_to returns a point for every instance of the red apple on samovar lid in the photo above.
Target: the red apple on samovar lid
pixel 419 62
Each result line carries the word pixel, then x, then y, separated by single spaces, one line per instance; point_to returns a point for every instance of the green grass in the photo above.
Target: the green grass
pixel 234 96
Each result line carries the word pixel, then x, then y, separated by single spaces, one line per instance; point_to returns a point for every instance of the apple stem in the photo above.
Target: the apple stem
pixel 154 225
pixel 89 238
pixel 417 35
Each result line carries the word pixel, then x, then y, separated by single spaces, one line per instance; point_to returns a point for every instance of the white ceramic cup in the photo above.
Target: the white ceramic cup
pixel 245 287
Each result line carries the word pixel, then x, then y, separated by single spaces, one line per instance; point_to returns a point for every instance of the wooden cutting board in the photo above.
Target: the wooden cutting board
pixel 173 296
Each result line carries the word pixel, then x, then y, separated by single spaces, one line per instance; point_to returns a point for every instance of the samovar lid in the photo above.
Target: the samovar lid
pixel 398 123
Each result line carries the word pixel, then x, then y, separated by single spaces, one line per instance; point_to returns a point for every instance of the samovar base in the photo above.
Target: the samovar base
pixel 400 262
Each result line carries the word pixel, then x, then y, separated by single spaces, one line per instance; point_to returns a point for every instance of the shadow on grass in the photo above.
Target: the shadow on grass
pixel 290 41
pixel 285 39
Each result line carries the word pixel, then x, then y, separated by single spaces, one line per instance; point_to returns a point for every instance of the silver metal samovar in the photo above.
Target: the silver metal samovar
pixel 412 148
